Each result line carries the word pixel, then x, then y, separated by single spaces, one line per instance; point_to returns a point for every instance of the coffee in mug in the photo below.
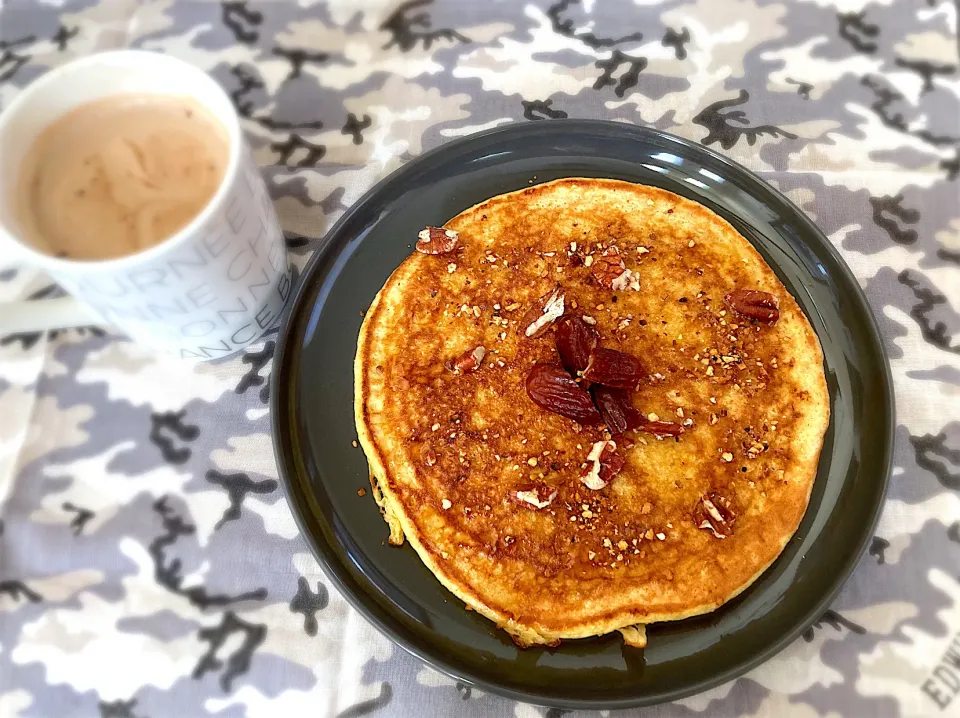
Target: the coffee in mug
pixel 119 174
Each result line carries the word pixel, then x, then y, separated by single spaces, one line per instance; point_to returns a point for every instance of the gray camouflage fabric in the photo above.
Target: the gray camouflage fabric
pixel 149 565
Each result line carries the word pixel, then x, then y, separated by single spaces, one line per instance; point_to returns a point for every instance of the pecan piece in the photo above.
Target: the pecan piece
pixel 627 280
pixel 437 240
pixel 575 340
pixel 603 463
pixel 753 304
pixel 544 312
pixel 618 413
pixel 715 513
pixel 551 388
pixel 537 496
pixel 614 368
pixel 428 456
pixel 608 267
pixel 469 361
pixel 660 429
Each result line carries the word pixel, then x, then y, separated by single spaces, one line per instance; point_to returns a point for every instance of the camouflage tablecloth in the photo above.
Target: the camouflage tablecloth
pixel 149 565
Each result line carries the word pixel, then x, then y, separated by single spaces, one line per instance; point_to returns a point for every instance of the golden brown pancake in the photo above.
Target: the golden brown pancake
pixel 465 463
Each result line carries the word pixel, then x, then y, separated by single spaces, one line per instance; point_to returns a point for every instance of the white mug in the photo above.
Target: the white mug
pixel 205 292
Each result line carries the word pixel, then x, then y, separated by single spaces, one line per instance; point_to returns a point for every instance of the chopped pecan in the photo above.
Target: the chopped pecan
pixel 575 340
pixel 538 495
pixel 618 413
pixel 469 361
pixel 753 304
pixel 553 389
pixel 608 267
pixel 544 312
pixel 428 455
pixel 660 429
pixel 715 513
pixel 614 368
pixel 437 240
pixel 603 463
pixel 627 280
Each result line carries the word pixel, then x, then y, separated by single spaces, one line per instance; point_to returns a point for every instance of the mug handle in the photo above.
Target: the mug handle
pixel 45 314
pixel 40 315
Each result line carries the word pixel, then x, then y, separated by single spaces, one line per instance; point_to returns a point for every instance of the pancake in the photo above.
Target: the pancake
pixel 520 511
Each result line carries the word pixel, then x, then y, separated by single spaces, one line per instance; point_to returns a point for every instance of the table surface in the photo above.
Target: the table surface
pixel 149 565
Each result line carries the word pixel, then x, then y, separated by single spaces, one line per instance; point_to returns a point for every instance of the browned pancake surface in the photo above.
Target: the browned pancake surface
pixel 448 450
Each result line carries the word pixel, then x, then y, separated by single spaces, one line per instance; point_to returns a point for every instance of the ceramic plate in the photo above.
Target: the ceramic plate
pixel 313 424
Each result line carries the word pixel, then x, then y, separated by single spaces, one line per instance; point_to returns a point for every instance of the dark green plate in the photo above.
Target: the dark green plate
pixel 313 426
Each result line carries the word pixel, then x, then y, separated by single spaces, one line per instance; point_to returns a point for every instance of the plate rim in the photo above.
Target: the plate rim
pixel 284 459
